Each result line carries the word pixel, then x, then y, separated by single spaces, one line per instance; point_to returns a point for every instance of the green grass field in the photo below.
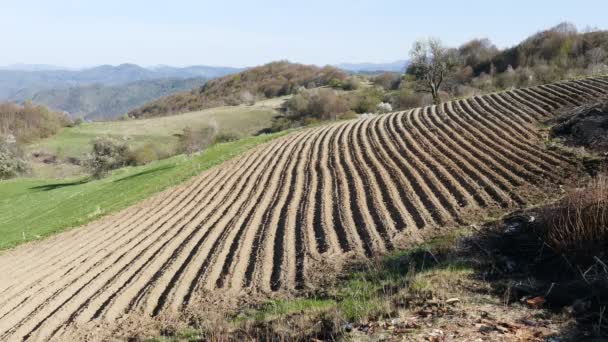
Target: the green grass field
pixel 239 120
pixel 33 208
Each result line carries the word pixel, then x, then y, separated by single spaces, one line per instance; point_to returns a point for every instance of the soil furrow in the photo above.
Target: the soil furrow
pixel 529 159
pixel 400 156
pixel 451 139
pixel 411 203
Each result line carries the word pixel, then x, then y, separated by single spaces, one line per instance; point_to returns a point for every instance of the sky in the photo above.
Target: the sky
pixel 247 33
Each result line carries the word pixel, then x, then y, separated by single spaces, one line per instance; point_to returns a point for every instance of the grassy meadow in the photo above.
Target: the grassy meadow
pixel 238 120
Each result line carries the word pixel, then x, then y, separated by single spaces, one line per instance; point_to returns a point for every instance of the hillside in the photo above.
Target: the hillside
pixel 19 85
pixel 279 217
pixel 109 102
pixel 267 81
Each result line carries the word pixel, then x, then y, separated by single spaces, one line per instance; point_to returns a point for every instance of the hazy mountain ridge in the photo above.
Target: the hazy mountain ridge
pixel 19 85
pixel 396 66
pixel 107 102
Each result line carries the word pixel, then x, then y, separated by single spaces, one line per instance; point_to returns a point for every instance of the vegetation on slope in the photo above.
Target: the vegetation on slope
pixel 32 209
pixel 267 81
pixel 108 102
pixel 29 122
pixel 561 52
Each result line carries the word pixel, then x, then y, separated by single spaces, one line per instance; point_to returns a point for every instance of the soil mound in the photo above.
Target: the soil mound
pixel 585 125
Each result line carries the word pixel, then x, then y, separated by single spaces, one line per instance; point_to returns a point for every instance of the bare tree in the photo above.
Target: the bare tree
pixel 431 63
pixel 596 56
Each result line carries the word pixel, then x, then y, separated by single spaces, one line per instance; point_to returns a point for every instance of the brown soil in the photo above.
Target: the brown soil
pixel 585 126
pixel 356 188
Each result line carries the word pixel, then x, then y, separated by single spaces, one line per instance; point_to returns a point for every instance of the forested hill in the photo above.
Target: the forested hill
pixel 267 81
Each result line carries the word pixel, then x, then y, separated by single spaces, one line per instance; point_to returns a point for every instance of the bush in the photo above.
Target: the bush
pixel 225 137
pixel 324 104
pixel 30 122
pixel 335 83
pixel 144 154
pixel 388 80
pixel 466 91
pixel 108 155
pixel 282 123
pixel 384 107
pixel 191 141
pixel 578 224
pixel 351 83
pixel 348 115
pixel 366 100
pixel 405 99
pixel 11 164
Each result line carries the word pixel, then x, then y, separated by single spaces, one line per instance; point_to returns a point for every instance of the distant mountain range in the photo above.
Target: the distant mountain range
pixel 82 92
pixel 108 102
pixel 22 84
pixel 396 66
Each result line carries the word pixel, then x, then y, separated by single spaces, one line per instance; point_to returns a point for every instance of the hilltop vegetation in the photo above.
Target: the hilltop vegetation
pixel 267 81
pixel 108 102
pixel 561 52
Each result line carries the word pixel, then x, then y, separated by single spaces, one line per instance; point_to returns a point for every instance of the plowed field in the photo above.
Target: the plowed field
pixel 259 223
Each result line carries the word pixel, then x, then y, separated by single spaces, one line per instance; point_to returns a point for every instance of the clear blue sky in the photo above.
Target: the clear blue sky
pixel 244 33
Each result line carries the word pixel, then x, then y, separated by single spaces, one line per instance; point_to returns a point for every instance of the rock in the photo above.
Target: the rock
pixel 452 301
pixel 484 329
pixel 502 329
pixel 348 327
pixel 536 302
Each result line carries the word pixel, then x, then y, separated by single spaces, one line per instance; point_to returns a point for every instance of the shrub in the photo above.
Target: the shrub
pixel 406 98
pixel 108 155
pixel 388 80
pixel 324 104
pixel 335 83
pixel 225 137
pixel 191 141
pixel 30 122
pixel 282 123
pixel 144 154
pixel 348 115
pixel 351 83
pixel 466 91
pixel 578 224
pixel 11 163
pixel 384 107
pixel 366 100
